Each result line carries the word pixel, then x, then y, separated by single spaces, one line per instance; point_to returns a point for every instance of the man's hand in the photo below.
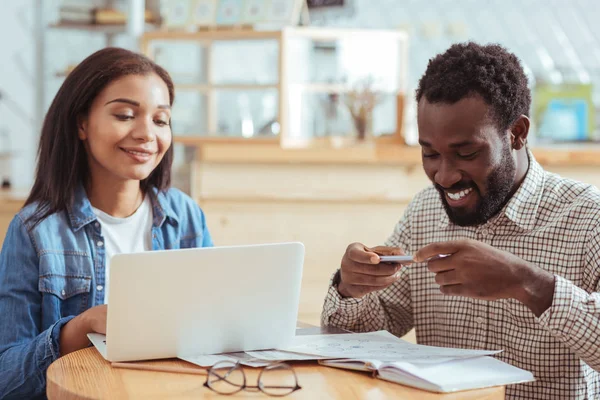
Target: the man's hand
pixel 361 272
pixel 475 269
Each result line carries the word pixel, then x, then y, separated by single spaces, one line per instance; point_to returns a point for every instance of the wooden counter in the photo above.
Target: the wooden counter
pixel 558 156
pixel 10 203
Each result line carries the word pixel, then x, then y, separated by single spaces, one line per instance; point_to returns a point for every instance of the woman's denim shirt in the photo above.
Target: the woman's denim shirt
pixel 54 271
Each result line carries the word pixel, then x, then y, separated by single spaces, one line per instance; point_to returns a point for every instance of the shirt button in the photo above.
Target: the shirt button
pixel 96 225
pixel 100 244
pixel 63 292
pixel 485 232
pixel 479 320
pixel 99 288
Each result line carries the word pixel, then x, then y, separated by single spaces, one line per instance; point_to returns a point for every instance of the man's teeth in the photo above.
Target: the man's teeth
pixel 459 195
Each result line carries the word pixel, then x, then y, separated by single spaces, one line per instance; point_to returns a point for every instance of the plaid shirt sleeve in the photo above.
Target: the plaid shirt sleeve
pixel 574 316
pixel 388 309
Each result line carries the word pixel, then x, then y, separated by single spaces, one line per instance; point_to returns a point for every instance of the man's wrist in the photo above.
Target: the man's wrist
pixel 536 289
pixel 336 282
pixel 337 278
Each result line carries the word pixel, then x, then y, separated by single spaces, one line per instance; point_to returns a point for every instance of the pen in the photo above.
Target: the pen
pixel 156 368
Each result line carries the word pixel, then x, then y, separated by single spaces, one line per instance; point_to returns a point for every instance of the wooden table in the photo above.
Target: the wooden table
pixel 84 374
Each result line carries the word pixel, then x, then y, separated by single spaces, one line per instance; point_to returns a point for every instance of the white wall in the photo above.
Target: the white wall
pixel 17 83
pixel 18 77
pixel 556 39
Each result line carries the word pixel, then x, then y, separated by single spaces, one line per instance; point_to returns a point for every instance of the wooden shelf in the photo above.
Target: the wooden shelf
pixel 13 196
pixel 273 154
pixel 215 34
pixel 376 154
pixel 109 29
pixel 207 88
pixel 197 140
pixel 568 155
pixel 331 88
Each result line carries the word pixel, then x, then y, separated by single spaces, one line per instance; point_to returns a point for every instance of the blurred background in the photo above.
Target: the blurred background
pixel 295 119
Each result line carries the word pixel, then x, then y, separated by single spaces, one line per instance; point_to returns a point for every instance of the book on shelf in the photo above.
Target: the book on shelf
pixel 97 16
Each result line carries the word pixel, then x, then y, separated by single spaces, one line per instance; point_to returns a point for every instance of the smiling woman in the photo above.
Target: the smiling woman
pixel 101 188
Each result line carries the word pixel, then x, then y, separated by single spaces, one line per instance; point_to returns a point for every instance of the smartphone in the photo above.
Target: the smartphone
pixel 396 259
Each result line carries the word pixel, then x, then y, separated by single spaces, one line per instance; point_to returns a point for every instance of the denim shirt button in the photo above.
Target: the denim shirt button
pixel 100 244
pixel 99 288
pixel 63 292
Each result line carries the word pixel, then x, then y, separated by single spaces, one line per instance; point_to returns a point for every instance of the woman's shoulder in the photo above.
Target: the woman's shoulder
pixel 27 217
pixel 180 203
pixel 177 198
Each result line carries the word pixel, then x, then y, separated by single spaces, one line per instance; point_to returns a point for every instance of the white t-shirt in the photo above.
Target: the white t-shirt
pixel 132 234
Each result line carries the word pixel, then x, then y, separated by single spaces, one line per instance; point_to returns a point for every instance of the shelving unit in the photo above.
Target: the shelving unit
pixel 109 31
pixel 299 96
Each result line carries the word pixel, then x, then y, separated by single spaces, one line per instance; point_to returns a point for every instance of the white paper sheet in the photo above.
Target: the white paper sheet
pixel 381 346
pixel 278 355
pixel 212 359
pixel 258 358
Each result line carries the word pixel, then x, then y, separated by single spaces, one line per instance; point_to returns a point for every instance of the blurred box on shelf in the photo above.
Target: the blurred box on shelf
pixel 564 113
pixel 96 16
pixel 193 15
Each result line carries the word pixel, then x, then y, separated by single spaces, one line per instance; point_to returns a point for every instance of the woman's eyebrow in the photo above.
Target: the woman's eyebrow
pixel 122 100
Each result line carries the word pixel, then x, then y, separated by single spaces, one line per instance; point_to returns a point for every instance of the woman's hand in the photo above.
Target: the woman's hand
pixel 73 336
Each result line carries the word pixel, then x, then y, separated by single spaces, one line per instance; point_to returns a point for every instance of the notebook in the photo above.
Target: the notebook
pixel 449 376
pixel 436 369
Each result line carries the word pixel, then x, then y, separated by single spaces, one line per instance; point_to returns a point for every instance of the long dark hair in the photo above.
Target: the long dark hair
pixel 62 160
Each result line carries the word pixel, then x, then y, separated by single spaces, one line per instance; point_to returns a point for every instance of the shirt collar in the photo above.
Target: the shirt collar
pixel 161 208
pixel 80 211
pixel 523 206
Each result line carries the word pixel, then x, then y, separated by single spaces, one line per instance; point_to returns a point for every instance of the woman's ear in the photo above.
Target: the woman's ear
pixel 82 125
pixel 519 131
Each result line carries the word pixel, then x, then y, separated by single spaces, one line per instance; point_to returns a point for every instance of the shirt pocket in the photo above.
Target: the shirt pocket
pixel 67 279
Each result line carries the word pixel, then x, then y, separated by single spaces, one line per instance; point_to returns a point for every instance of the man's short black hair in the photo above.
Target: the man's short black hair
pixel 490 71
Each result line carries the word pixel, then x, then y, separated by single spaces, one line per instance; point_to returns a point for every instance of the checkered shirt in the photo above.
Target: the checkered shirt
pixel 551 222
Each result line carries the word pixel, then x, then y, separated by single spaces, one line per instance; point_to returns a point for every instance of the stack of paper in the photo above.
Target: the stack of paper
pixel 381 346
pixel 431 368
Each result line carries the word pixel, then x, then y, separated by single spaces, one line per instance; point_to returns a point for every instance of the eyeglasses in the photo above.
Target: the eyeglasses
pixel 227 377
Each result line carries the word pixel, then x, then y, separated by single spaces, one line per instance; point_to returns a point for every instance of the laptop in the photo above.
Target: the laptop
pixel 172 303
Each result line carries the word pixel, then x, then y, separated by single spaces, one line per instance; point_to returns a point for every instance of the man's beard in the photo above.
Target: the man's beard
pixel 499 186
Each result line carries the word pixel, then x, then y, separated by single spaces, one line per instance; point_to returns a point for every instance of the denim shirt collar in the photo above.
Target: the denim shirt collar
pixel 80 211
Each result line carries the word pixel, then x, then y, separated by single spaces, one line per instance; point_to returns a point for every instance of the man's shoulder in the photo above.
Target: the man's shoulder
pixel 570 196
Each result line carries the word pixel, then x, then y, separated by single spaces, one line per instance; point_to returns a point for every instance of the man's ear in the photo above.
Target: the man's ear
pixel 519 131
pixel 82 125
